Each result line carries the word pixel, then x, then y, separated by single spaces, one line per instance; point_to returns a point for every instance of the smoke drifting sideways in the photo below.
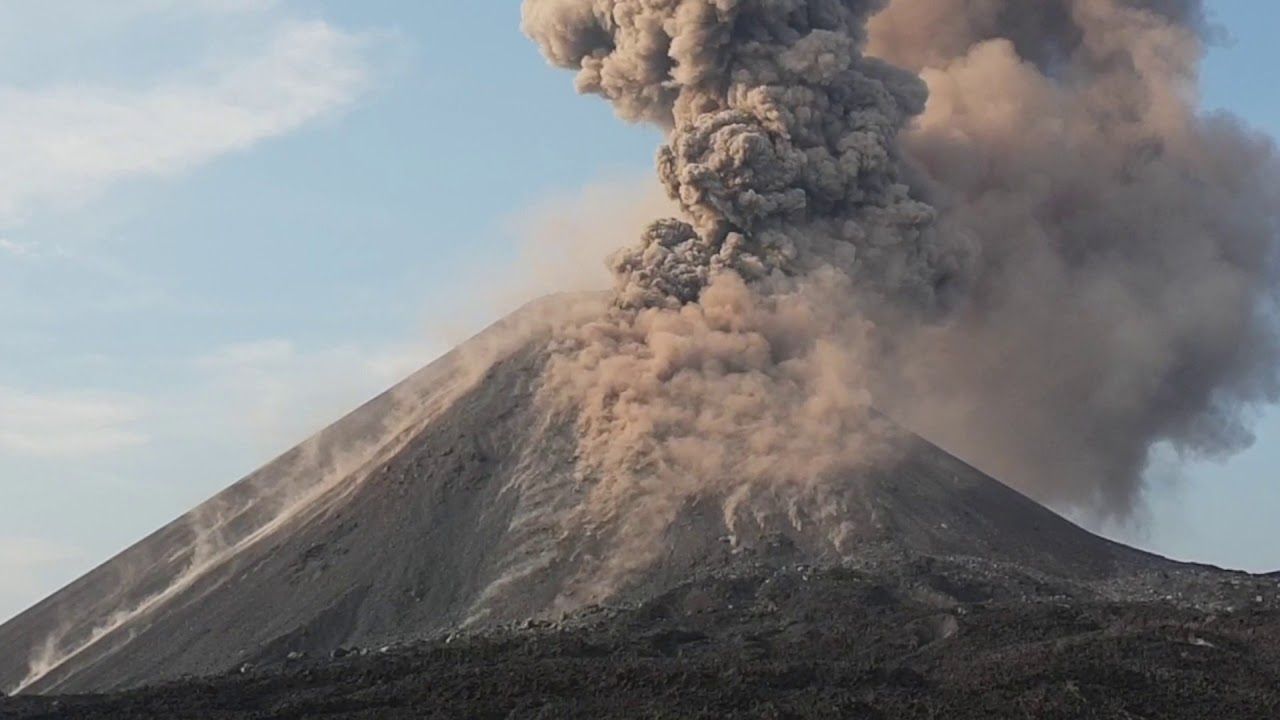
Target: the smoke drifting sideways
pixel 1124 293
pixel 1002 223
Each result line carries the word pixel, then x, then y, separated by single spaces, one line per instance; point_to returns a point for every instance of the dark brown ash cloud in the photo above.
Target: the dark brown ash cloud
pixel 1003 223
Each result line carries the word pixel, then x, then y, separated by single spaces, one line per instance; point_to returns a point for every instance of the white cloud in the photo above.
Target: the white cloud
pixel 15 248
pixel 96 12
pixel 233 6
pixel 31 251
pixel 68 424
pixel 60 143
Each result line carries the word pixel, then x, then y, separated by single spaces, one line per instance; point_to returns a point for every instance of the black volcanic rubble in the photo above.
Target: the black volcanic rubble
pixel 907 637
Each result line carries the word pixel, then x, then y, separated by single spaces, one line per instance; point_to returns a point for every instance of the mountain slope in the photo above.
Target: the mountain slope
pixel 434 508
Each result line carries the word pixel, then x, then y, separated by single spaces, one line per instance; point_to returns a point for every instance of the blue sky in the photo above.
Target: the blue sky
pixel 224 222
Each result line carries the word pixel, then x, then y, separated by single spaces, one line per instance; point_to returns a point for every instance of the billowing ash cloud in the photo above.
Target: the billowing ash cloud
pixel 1001 222
pixel 735 368
pixel 782 139
pixel 1124 289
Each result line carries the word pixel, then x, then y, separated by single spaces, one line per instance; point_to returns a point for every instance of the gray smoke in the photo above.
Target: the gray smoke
pixel 1002 222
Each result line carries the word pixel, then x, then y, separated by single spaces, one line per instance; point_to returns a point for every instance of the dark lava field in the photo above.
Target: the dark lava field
pixel 909 638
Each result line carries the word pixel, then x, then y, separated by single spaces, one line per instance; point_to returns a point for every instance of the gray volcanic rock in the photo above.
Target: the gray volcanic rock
pixel 430 509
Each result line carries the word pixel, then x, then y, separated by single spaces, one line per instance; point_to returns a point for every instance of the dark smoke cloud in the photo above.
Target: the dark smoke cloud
pixel 1048 262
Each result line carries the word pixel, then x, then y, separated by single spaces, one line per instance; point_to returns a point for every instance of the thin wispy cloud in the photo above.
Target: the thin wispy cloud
pixel 68 423
pixel 276 393
pixel 65 142
pixel 13 248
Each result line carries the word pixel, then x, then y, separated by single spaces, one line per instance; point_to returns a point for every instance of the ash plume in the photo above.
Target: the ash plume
pixel 1002 223
pixel 1123 295
pixel 781 151
pixel 735 366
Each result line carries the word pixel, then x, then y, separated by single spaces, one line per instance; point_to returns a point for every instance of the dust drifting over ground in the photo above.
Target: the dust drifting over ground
pixel 297 489
pixel 1003 224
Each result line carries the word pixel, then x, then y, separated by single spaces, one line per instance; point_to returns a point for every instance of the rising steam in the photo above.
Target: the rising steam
pixel 1002 223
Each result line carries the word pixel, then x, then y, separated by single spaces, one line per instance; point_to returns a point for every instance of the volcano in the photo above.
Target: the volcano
pixel 425 512
pixel 690 497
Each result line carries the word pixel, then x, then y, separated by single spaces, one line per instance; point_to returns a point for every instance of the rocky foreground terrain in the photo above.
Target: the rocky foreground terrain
pixel 898 637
